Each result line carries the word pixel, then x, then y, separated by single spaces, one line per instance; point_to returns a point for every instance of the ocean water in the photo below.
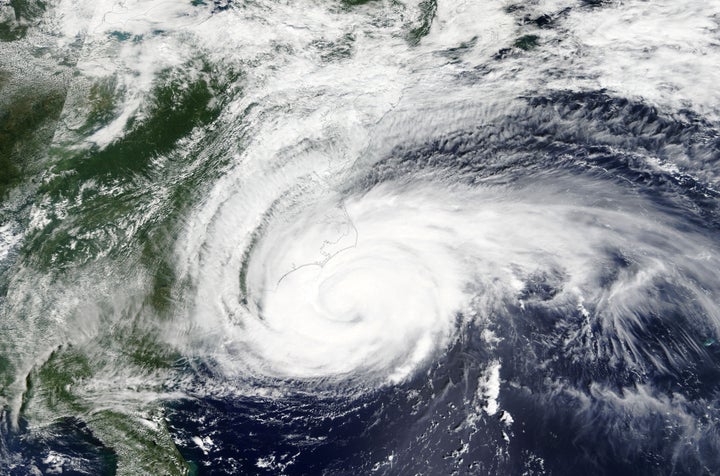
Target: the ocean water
pixel 359 237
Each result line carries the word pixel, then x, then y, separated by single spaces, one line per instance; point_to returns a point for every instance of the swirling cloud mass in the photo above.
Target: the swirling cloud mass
pixel 352 237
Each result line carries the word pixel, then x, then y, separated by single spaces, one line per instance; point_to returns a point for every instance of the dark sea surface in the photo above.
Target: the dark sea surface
pixel 359 237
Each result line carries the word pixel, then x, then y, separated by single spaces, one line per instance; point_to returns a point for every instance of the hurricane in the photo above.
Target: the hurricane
pixel 359 237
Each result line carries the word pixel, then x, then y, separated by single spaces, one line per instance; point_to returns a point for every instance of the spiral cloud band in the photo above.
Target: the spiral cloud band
pixel 367 287
pixel 360 237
